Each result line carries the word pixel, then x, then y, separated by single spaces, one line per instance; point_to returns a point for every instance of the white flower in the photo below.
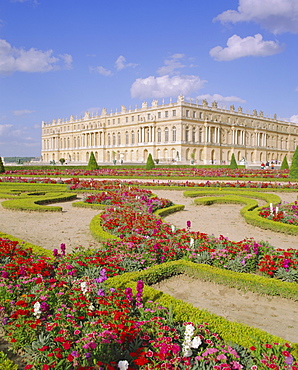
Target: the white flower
pixel 123 365
pixel 84 287
pixel 91 307
pixel 196 342
pixel 189 329
pixel 186 351
pixel 37 310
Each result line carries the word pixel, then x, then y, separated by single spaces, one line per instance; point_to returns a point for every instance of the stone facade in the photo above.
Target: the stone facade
pixel 177 132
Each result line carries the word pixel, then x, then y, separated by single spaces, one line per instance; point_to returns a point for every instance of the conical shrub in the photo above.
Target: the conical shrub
pixel 2 169
pixel 294 165
pixel 284 164
pixel 150 163
pixel 233 163
pixel 92 164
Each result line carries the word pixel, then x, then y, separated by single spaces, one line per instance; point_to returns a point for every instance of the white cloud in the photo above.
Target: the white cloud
pixel 121 63
pixel 171 64
pixel 278 16
pixel 294 118
pixel 100 70
pixel 165 86
pixel 220 99
pixel 22 112
pixel 32 60
pixel 248 46
pixel 4 128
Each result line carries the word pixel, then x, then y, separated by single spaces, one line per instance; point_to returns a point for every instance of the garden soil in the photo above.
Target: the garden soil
pixel 71 226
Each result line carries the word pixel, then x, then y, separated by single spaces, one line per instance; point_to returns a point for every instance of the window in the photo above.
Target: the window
pixel 187 113
pixel 108 122
pixel 109 139
pixel 166 114
pixel 187 134
pixel 126 138
pixel 193 135
pixel 118 138
pixel 132 137
pixel 114 139
pixel 132 118
pixel 159 115
pixel 174 113
pixel 113 121
pixel 193 114
pixel 126 119
pixel 174 133
pixel 159 135
pixel 166 134
pixel 118 120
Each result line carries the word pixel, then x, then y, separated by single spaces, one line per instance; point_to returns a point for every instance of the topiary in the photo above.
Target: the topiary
pixel 294 165
pixel 233 163
pixel 2 169
pixel 150 163
pixel 284 164
pixel 92 164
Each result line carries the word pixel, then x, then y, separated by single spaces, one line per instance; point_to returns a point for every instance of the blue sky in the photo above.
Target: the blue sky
pixel 64 57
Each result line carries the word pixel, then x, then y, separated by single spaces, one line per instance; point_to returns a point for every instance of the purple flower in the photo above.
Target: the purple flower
pixel 55 252
pixel 188 224
pixel 63 249
pixel 101 292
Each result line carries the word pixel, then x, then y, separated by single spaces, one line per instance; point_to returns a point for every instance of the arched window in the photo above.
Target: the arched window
pixel 126 138
pixel 159 135
pixel 174 133
pixel 166 134
pixel 187 134
pixel 114 139
pixel 132 137
pixel 109 139
pixel 118 138
pixel 193 135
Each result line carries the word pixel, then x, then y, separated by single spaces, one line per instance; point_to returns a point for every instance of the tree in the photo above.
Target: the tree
pixel 294 165
pixel 233 163
pixel 62 160
pixel 92 164
pixel 2 169
pixel 284 164
pixel 150 163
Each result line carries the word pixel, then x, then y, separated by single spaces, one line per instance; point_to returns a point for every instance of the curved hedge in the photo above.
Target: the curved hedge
pixel 250 212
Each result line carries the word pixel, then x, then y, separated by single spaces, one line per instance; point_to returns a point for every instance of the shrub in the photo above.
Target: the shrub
pixel 284 164
pixel 2 169
pixel 233 163
pixel 150 163
pixel 294 165
pixel 92 164
pixel 62 160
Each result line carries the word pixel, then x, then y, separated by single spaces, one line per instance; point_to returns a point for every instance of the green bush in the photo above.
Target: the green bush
pixel 6 364
pixel 294 165
pixel 284 164
pixel 150 163
pixel 233 163
pixel 2 169
pixel 92 164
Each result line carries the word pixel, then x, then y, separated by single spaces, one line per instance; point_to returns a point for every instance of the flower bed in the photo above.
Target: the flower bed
pixel 158 172
pixel 62 315
pixel 285 213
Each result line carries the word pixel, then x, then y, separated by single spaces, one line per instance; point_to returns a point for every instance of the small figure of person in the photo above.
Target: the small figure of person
pixel 262 166
pixel 272 165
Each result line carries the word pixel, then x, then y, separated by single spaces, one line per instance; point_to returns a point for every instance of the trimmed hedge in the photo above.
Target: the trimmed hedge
pixel 38 203
pixel 230 331
pixel 250 212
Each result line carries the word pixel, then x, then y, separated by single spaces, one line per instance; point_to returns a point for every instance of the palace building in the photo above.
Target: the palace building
pixel 178 132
